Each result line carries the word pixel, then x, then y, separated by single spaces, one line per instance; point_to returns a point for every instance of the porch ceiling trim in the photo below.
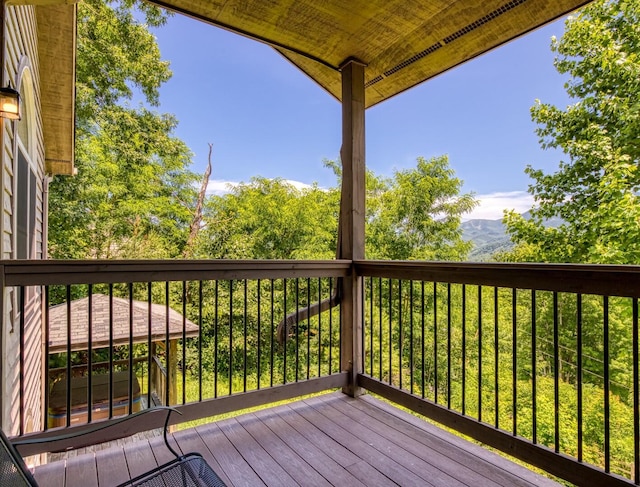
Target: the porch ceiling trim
pixel 57 57
pixel 403 43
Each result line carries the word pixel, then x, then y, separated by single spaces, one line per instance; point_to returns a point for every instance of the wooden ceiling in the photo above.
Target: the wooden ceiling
pixel 402 42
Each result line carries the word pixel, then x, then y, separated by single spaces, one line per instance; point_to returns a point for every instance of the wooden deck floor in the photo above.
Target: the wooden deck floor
pixel 327 440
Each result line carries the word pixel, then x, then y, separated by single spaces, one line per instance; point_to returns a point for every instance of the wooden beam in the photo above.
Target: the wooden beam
pixel 352 215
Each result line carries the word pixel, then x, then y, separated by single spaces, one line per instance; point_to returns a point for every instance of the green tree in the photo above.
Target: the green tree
pixel 271 219
pixel 596 191
pixel 132 195
pixel 416 214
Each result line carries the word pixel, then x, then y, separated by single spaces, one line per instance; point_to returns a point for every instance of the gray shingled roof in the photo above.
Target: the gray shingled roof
pixel 121 320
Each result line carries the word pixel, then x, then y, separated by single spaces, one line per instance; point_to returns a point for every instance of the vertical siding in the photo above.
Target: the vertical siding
pixel 21 41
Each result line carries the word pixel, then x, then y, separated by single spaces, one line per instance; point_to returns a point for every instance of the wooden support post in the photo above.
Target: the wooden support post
pixel 352 216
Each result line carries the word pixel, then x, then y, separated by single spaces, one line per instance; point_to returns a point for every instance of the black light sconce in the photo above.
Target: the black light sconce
pixel 9 103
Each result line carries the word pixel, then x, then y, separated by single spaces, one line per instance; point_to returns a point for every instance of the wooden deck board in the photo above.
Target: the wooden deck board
pixel 237 470
pixel 50 475
pixel 295 466
pixel 271 473
pixel 428 450
pixel 112 467
pixel 190 441
pixel 328 440
pixel 379 460
pixel 451 445
pixel 313 454
pixel 139 458
pixel 81 470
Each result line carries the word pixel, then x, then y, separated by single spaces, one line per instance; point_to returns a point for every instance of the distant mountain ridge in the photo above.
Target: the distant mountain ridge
pixel 490 236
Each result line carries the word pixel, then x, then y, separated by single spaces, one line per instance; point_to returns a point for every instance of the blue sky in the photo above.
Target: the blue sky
pixel 265 117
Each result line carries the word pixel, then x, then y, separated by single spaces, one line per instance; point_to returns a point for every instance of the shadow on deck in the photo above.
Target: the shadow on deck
pixel 327 440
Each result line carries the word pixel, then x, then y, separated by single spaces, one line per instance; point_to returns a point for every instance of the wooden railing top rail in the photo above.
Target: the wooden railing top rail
pixel 579 278
pixel 612 280
pixel 50 272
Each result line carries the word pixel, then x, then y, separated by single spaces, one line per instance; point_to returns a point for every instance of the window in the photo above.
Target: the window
pixel 26 196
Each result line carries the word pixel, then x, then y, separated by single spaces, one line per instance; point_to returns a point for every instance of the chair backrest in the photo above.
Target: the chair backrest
pixel 13 471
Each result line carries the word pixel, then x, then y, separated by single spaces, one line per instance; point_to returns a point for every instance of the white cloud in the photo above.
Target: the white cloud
pixel 219 187
pixel 492 205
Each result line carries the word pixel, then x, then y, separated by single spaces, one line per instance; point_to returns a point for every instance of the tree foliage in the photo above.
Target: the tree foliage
pixel 270 219
pixel 416 214
pixel 413 215
pixel 132 194
pixel 595 192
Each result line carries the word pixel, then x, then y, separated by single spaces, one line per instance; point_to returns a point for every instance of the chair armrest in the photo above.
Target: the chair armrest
pixel 73 439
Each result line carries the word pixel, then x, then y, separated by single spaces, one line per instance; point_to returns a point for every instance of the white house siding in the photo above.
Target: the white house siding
pixel 20 51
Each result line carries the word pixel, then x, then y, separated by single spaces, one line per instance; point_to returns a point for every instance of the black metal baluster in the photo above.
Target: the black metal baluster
pixel 607 443
pixel 259 331
pixel 330 330
pixel 339 338
pixel 21 305
pixel 556 374
pixel 422 324
pixel 309 326
pixel 534 371
pixel 390 333
pixel 435 342
pixel 495 356
pixel 286 337
pixel 130 348
pixel 636 398
pixel 579 374
pixel 449 345
pixel 200 297
pixel 46 355
pixel 320 328
pixel 297 328
pixel 271 344
pixel 411 336
pixel 380 326
pixel 215 339
pixel 479 353
pixel 244 332
pixel 400 354
pixel 167 344
pixel 371 327
pixel 230 336
pixel 514 363
pixel 89 353
pixel 110 388
pixel 464 349
pixel 184 342
pixel 149 344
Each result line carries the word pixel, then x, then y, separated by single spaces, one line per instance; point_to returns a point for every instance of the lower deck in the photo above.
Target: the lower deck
pixel 325 440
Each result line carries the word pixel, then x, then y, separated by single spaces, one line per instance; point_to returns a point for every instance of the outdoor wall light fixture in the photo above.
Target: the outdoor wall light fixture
pixel 9 103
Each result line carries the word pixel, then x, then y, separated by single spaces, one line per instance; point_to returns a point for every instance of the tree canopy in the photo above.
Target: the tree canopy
pixel 596 191
pixel 133 194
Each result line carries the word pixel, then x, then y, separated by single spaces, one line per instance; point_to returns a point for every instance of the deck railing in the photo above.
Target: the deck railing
pixel 539 361
pixel 211 326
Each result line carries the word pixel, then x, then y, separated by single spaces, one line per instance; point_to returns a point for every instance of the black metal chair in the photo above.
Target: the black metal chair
pixel 13 471
pixel 190 470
